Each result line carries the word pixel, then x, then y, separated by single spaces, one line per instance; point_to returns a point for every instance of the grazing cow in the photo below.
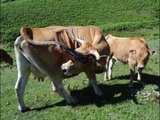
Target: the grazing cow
pixel 132 51
pixel 5 57
pixel 40 50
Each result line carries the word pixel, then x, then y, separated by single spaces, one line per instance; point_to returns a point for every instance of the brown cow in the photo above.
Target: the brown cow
pixel 39 48
pixel 4 56
pixel 132 51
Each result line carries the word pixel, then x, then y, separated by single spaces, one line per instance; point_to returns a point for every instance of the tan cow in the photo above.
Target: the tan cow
pixel 132 51
pixel 38 50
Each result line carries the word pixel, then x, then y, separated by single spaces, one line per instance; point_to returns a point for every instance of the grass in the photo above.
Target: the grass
pixel 120 18
pixel 111 16
pixel 116 103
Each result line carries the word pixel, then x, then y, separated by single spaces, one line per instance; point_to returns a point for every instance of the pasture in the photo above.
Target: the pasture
pixel 120 18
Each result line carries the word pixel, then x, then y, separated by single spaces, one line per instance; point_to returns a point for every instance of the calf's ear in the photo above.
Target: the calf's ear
pixel 152 52
pixel 96 54
pixel 133 52
pixel 55 48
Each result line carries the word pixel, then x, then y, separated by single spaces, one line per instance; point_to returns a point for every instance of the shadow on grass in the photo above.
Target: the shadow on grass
pixel 112 94
pixel 146 78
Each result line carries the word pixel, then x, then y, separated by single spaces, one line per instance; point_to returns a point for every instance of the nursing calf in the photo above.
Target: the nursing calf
pixel 41 51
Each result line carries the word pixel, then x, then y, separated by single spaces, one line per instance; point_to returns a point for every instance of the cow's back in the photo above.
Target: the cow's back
pixel 120 47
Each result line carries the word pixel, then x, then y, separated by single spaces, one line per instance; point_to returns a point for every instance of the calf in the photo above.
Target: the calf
pixel 132 51
pixel 39 50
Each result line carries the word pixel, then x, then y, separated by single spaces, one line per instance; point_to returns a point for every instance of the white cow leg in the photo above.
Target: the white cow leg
pixel 105 76
pixel 111 63
pixel 106 66
pixel 23 74
pixel 20 88
pixel 139 77
pixel 58 87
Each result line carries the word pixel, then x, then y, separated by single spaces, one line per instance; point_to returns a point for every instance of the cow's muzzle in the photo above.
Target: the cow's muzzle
pixel 140 68
pixel 65 70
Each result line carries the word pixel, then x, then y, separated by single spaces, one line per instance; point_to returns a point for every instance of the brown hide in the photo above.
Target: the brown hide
pixel 121 48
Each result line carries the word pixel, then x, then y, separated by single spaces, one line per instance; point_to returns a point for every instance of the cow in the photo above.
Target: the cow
pixel 41 51
pixel 131 51
pixel 5 57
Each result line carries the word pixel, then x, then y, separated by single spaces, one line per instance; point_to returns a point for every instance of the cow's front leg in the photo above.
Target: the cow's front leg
pixel 58 87
pixel 111 63
pixel 132 74
pixel 92 81
pixel 23 68
pixel 139 76
pixel 107 67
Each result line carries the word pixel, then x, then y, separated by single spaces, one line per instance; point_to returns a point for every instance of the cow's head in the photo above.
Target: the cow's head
pixel 141 56
pixel 82 58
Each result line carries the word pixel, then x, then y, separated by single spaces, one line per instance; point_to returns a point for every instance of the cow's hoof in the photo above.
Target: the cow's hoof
pixel 73 103
pixel 99 93
pixel 26 109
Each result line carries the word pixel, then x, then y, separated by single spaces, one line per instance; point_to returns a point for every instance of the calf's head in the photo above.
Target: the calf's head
pixel 82 58
pixel 141 56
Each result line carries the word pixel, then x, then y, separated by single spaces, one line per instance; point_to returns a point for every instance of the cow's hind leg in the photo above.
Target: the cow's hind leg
pixel 23 74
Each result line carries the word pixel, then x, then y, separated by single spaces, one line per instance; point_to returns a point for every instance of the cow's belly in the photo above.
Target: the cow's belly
pixel 122 59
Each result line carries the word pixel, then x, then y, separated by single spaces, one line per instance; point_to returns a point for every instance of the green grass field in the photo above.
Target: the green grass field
pixel 120 18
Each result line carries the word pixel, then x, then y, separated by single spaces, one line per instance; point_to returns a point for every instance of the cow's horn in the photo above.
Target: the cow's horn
pixel 96 54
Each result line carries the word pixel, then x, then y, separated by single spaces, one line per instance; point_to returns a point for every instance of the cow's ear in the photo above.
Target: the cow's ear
pixel 54 48
pixel 95 53
pixel 133 52
pixel 26 33
pixel 152 52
